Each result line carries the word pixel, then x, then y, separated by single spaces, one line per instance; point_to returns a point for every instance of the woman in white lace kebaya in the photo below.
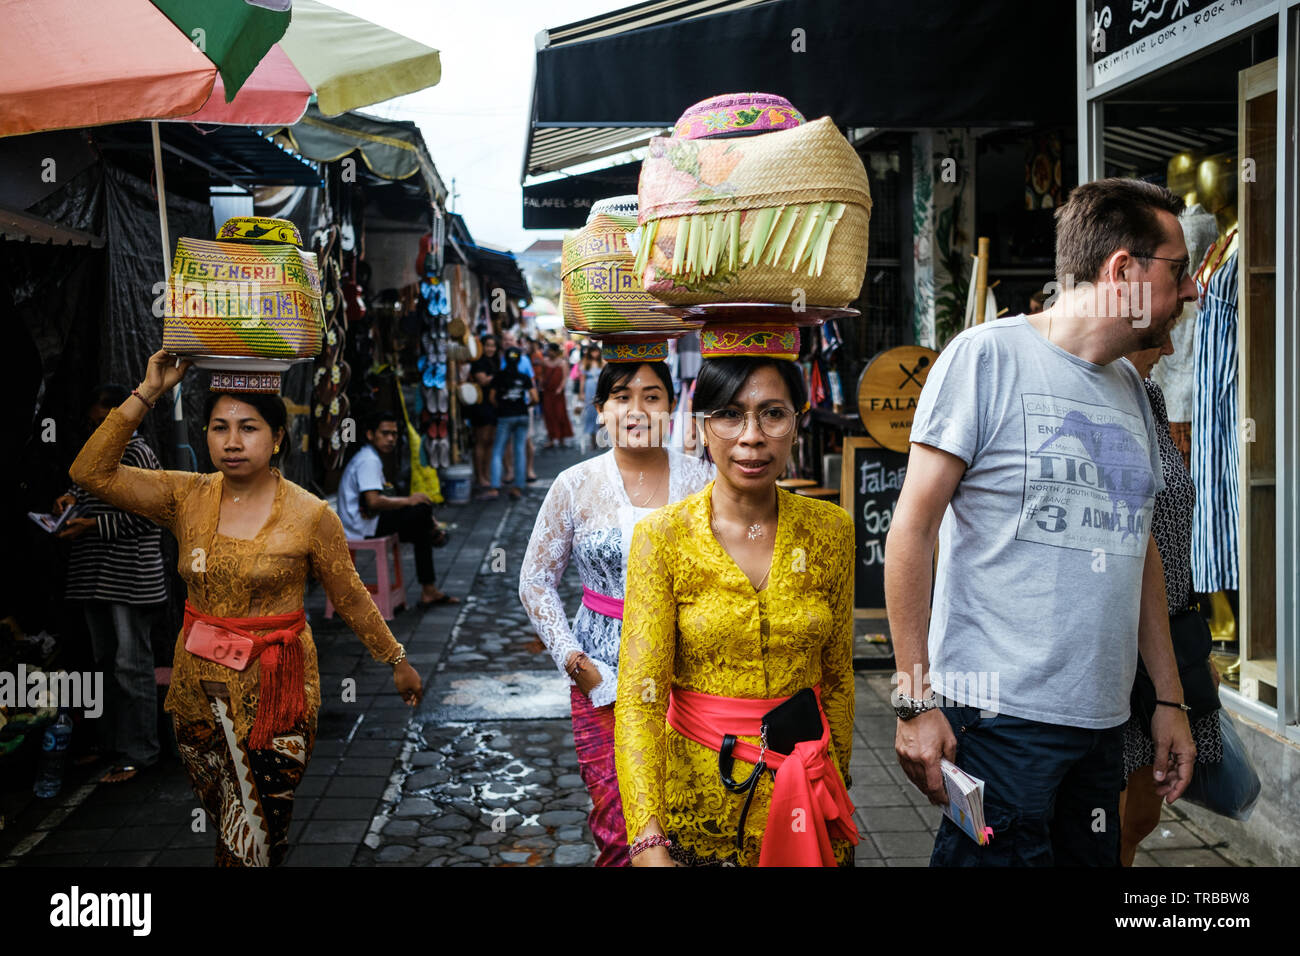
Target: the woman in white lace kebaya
pixel 587 517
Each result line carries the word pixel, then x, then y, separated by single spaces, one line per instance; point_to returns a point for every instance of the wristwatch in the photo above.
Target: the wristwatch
pixel 909 707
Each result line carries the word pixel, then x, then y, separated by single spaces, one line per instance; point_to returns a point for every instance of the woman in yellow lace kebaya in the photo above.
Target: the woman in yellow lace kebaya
pixel 245 688
pixel 738 597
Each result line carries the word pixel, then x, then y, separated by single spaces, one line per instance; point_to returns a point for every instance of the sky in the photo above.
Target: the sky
pixel 476 119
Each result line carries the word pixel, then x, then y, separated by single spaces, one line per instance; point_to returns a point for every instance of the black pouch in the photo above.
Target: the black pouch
pixel 792 722
pixel 1192 645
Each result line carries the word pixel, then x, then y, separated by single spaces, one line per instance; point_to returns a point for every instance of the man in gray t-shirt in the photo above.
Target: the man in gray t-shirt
pixel 1034 464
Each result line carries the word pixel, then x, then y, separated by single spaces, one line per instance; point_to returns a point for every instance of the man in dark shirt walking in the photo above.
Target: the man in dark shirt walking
pixel 508 392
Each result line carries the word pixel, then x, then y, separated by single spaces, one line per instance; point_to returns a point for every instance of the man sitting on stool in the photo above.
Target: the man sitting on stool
pixel 368 510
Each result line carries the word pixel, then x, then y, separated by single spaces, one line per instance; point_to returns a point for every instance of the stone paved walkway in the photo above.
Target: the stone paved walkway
pixel 492 778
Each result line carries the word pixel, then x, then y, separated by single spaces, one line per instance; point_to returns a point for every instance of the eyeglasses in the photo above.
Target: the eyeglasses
pixel 775 421
pixel 1184 266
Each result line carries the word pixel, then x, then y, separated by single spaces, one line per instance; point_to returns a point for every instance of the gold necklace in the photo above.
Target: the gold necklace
pixel 640 482
pixel 752 536
pixel 650 496
pixel 766 574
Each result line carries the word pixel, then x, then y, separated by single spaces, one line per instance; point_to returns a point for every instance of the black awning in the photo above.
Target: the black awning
pixel 239 155
pixel 564 203
pixel 501 269
pixel 864 63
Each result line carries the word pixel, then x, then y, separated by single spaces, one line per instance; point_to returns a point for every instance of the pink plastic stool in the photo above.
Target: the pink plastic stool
pixel 389 593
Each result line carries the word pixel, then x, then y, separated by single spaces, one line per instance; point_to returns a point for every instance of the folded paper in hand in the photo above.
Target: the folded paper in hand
pixel 965 802
pixel 52 523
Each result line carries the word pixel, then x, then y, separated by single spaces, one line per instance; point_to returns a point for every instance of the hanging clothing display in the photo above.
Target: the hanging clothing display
pixel 1174 373
pixel 1215 441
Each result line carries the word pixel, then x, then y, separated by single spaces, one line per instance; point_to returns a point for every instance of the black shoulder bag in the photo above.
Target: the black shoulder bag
pixel 1192 645
pixel 787 724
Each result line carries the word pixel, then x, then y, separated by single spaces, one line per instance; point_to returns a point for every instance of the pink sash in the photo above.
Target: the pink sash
pixel 602 603
pixel 809 803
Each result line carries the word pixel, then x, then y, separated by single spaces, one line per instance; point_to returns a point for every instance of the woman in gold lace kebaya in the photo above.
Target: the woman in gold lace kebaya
pixel 245 688
pixel 738 597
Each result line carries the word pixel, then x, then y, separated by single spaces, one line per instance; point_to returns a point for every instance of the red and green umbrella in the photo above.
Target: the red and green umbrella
pixel 69 63
pixel 73 63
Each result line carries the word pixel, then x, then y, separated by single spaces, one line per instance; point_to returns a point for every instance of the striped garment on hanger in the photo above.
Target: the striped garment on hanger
pixel 1215 439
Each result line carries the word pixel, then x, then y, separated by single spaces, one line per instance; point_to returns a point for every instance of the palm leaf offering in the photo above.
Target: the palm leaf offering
pixel 753 213
pixel 782 234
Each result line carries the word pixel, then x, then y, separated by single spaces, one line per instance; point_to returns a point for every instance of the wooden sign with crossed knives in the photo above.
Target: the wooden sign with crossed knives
pixel 888 392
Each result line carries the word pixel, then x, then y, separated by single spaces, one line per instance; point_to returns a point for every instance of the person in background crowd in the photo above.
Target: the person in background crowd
pixel 245 686
pixel 550 384
pixel 587 518
pixel 1004 408
pixel 574 355
pixel 369 510
pixel 1036 302
pixel 1171 526
pixel 482 414
pixel 739 597
pixel 533 348
pixel 115 569
pixel 592 366
pixel 510 340
pixel 509 392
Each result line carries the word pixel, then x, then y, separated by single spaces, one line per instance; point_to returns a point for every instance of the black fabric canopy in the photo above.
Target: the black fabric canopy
pixel 564 203
pixel 865 63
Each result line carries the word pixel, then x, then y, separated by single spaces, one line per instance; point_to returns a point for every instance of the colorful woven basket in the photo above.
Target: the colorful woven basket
pixel 243 300
pixel 737 114
pixel 260 230
pixel 642 345
pixel 599 289
pixel 749 341
pixel 777 217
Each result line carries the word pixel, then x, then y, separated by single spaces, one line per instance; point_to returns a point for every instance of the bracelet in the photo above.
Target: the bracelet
pixel 136 393
pixel 645 843
pixel 1183 707
pixel 401 656
pixel 577 664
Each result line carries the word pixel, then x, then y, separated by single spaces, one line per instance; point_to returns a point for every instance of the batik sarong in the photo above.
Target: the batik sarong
pixel 247 793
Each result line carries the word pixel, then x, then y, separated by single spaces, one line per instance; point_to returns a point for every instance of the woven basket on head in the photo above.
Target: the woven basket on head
pixel 599 289
pixel 755 219
pixel 243 300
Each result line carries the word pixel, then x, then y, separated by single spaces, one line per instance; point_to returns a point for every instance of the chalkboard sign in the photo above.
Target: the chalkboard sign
pixel 870 480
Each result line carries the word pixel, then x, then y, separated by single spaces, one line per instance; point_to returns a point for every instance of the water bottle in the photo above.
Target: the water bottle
pixel 54 755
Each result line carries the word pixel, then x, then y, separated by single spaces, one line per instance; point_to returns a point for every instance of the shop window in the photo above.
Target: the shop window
pixel 1019 220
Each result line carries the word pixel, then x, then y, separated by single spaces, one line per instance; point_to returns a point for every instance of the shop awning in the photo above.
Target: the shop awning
pixel 501 269
pixel 231 154
pixel 28 227
pixel 498 266
pixel 870 63
pixel 564 203
pixel 391 149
